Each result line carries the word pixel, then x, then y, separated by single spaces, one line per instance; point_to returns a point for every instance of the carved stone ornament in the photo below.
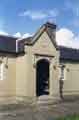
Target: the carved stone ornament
pixel 0 61
pixel 54 67
pixel 67 69
pixel 6 66
pixel 34 65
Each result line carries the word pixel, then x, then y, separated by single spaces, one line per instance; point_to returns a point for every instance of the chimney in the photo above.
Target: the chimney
pixel 51 29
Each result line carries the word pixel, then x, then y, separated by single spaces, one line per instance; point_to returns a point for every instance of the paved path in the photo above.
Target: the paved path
pixel 40 112
pixel 24 112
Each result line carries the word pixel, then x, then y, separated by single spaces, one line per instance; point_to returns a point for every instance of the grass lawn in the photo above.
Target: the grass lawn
pixel 74 117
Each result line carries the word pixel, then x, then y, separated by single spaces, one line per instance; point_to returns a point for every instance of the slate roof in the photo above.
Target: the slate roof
pixel 66 53
pixel 69 53
pixel 7 44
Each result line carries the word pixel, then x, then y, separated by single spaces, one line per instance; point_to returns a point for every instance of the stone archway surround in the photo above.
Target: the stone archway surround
pixel 38 58
pixel 53 81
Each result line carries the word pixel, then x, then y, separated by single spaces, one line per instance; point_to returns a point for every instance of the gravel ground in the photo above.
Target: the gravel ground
pixel 38 112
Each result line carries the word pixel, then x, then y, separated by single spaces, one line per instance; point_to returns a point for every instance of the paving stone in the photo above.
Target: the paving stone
pixel 28 112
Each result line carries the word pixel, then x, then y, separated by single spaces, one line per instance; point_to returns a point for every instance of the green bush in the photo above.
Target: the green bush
pixel 73 117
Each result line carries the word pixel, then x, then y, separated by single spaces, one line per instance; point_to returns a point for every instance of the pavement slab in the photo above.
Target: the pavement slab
pixel 39 112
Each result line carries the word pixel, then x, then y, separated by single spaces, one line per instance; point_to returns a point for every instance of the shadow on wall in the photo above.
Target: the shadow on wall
pixel 61 82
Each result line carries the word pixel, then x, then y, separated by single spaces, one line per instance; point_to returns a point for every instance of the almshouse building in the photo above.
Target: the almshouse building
pixel 36 66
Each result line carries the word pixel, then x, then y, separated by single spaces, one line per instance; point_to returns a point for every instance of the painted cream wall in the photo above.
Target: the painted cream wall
pixel 12 76
pixel 8 85
pixel 24 81
pixel 71 84
pixel 21 75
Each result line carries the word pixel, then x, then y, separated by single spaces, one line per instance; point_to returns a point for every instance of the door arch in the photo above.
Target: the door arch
pixel 42 77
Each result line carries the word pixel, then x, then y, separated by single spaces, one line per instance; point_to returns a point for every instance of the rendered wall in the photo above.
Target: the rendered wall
pixel 8 85
pixel 71 84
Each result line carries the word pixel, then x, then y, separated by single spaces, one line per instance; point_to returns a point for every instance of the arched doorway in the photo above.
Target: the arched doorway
pixel 42 77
